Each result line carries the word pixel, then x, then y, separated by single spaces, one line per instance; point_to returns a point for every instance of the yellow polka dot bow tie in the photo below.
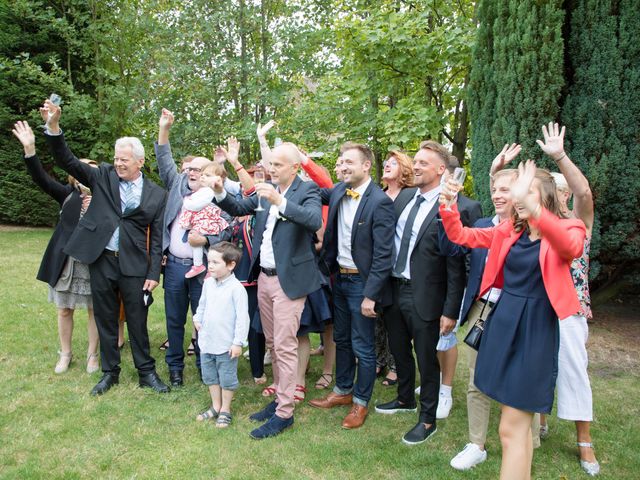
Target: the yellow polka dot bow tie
pixel 352 193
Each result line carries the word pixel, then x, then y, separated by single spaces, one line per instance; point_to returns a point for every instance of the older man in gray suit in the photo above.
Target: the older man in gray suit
pixel 285 264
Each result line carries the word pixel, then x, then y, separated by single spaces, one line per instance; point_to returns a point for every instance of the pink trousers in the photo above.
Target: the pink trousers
pixel 280 322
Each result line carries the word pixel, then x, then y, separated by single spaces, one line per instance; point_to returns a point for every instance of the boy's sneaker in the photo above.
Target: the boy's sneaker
pixel 444 407
pixel 469 457
pixel 195 271
pixel 274 426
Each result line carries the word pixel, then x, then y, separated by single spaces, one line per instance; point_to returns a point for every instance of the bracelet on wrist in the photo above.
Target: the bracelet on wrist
pixel 561 157
pixel 239 168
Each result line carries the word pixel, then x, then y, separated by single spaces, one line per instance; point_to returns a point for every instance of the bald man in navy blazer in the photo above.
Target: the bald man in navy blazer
pixel 358 248
pixel 284 263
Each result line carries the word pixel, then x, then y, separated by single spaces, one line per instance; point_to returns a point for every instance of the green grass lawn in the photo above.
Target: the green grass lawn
pixel 50 427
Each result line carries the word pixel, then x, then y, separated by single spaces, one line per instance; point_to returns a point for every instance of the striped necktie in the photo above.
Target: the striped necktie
pixel 129 198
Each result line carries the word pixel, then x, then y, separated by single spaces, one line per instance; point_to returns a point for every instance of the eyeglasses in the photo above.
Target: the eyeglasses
pixel 392 162
pixel 194 169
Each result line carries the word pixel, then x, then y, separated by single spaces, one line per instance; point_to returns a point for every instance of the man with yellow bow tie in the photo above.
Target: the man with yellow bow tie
pixel 361 215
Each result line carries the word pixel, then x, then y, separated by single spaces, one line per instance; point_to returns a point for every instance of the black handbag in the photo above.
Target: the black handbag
pixel 475 333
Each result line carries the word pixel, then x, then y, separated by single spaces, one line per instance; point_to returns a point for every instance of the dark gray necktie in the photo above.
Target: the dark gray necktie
pixel 401 262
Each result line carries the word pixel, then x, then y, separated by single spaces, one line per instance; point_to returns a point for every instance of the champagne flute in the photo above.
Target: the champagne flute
pixel 459 174
pixel 56 100
pixel 258 177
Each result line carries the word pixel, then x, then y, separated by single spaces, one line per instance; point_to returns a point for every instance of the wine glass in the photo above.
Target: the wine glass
pixel 56 100
pixel 258 177
pixel 459 174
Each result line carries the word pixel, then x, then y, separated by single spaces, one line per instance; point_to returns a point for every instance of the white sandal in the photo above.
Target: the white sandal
pixel 93 369
pixel 63 362
pixel 591 468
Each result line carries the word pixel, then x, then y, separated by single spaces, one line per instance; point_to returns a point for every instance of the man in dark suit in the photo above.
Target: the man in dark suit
pixel 358 248
pixel 120 237
pixel 285 264
pixel 427 290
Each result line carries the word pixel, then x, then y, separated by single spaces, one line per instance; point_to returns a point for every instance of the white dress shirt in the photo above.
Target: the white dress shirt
pixel 430 199
pixel 267 257
pixel 346 215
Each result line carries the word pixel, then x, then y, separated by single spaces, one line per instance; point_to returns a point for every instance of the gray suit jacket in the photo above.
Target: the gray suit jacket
pixel 178 186
pixel 292 238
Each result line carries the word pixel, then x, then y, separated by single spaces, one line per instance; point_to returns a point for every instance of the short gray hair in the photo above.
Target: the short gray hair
pixel 136 146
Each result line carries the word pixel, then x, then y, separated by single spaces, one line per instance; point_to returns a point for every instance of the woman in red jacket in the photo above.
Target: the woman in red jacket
pixel 529 259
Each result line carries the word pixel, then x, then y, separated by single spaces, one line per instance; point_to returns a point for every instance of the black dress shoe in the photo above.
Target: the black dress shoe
pixel 152 380
pixel 107 381
pixel 419 434
pixel 175 378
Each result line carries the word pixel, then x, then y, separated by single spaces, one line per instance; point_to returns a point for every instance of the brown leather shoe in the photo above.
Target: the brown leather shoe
pixel 356 417
pixel 331 400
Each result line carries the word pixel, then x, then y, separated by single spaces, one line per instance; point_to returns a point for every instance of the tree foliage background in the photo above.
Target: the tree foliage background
pixel 390 73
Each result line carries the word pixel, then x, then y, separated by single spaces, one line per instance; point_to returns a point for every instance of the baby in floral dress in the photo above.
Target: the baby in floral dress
pixel 201 215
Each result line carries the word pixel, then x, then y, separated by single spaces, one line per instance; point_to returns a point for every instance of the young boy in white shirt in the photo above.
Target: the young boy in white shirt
pixel 222 321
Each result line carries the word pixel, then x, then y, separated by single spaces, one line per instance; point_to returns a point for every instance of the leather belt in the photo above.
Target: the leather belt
pixel 349 271
pixel 402 280
pixel 111 253
pixel 181 261
pixel 269 272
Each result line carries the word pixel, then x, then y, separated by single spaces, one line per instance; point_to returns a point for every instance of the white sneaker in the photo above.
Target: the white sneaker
pixel 469 457
pixel 267 358
pixel 444 407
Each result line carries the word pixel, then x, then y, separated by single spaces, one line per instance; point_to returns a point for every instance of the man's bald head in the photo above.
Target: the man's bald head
pixel 285 161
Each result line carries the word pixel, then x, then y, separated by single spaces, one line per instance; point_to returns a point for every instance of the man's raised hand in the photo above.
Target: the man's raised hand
pixel 166 119
pixel 50 113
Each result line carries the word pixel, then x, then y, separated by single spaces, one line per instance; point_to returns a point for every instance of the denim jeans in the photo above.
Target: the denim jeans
pixel 179 292
pixel 354 335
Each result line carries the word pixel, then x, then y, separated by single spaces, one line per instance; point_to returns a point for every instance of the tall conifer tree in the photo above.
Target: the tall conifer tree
pixel 602 114
pixel 517 76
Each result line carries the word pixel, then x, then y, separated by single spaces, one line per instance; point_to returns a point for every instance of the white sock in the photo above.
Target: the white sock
pixel 445 390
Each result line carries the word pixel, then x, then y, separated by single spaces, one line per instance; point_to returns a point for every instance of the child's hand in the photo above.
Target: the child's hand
pixel 198 325
pixel 235 351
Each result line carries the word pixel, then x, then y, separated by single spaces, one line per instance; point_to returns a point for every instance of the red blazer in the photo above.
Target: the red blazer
pixel 562 241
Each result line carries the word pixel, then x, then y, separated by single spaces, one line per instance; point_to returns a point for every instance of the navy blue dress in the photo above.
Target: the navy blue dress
pixel 517 361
